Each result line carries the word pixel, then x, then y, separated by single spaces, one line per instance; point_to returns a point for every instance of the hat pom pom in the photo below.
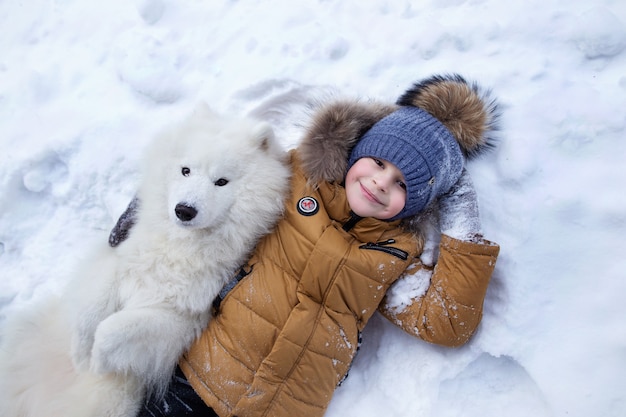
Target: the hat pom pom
pixel 465 109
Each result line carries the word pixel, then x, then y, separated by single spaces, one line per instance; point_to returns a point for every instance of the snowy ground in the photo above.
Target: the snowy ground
pixel 84 85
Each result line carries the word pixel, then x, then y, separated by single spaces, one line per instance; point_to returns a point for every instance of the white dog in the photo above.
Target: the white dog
pixel 211 188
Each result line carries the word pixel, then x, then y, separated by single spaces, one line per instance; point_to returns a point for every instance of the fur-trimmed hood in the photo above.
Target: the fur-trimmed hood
pixel 465 109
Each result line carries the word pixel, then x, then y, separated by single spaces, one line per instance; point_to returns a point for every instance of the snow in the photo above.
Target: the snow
pixel 84 85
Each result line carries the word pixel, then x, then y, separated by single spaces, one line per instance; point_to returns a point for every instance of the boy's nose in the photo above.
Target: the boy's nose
pixel 382 182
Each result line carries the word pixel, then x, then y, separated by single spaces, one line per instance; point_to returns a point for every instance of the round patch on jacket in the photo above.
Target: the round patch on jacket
pixel 308 206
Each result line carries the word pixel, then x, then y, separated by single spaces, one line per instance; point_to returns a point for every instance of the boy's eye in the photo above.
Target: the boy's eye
pixel 378 162
pixel 402 185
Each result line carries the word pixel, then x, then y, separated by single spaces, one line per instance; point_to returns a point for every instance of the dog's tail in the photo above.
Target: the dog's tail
pixel 38 378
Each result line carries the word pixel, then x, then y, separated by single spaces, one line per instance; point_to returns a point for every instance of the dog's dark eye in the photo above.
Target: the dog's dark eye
pixel 185 171
pixel 221 182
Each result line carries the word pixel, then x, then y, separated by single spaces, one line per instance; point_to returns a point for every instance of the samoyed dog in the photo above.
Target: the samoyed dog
pixel 210 188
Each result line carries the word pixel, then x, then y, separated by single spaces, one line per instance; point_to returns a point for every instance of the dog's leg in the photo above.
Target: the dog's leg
pixel 84 328
pixel 146 342
pixel 91 297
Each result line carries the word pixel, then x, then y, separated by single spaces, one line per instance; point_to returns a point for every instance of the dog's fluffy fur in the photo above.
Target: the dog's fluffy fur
pixel 211 188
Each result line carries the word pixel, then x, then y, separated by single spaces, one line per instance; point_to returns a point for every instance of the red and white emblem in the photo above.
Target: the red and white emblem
pixel 308 206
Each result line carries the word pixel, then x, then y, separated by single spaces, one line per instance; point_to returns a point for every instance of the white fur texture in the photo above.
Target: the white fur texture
pixel 131 311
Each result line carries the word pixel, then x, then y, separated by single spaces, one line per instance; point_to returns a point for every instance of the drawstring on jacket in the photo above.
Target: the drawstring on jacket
pixel 352 221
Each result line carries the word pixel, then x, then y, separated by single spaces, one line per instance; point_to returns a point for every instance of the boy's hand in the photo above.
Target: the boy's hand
pixel 124 224
pixel 458 210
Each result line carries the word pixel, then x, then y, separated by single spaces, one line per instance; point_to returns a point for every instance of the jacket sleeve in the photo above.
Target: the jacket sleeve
pixel 450 309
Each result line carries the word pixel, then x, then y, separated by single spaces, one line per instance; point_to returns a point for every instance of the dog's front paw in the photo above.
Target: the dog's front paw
pixel 113 349
pixel 128 342
pixel 145 342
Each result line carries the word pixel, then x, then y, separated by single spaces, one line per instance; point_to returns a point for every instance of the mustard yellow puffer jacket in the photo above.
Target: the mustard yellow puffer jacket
pixel 285 336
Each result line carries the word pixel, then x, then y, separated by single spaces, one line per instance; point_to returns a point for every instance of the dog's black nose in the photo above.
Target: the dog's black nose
pixel 185 213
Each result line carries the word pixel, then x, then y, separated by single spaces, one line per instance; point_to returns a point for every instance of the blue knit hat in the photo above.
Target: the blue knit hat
pixel 422 148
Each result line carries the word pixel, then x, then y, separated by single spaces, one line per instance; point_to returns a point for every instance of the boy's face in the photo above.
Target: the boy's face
pixel 375 188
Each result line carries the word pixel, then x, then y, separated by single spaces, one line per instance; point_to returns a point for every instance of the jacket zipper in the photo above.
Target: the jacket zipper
pixel 352 221
pixel 382 246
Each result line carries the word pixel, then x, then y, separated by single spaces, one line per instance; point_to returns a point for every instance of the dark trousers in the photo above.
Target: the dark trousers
pixel 179 400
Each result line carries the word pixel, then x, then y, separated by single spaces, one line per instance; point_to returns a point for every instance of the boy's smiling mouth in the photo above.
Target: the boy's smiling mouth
pixel 369 195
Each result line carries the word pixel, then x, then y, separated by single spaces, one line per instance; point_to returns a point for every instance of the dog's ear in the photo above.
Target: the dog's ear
pixel 263 137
